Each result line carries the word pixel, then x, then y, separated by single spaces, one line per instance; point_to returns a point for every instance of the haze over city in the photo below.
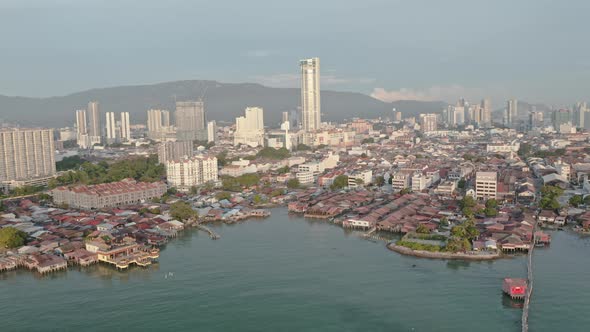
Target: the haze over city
pixel 294 166
pixel 418 50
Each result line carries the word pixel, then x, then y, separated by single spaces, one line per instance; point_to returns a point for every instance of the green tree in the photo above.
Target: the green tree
pixel 576 200
pixel 368 140
pixel 11 237
pixel 293 183
pixel 405 191
pixel 459 231
pixel 379 181
pixel 302 147
pixel 467 201
pixel 421 229
pixel 182 211
pixel 271 153
pixel 223 195
pixel 490 212
pixel 283 170
pixel 194 190
pixel 257 199
pixel 341 181
pixel 461 184
pixel 492 203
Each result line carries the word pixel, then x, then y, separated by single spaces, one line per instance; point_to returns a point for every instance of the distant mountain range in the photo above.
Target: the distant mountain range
pixel 223 102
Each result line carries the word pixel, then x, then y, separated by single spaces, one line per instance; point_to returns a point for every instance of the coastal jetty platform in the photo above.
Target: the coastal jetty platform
pixel 212 234
pixel 476 256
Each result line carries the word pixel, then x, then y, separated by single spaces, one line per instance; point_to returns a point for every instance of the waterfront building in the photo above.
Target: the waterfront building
pixel 310 94
pixel 250 128
pixel 486 185
pixel 190 120
pixel 26 154
pixel 174 151
pixel 189 172
pixel 112 194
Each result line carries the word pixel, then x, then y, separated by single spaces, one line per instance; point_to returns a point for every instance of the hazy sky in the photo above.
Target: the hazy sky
pixel 535 50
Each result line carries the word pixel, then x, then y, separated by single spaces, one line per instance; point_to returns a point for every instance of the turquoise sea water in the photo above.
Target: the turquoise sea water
pixel 290 274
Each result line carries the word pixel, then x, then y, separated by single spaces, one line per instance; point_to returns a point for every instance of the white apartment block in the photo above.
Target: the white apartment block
pixel 401 180
pixel 186 173
pixel 26 154
pixel 250 128
pixel 174 151
pixel 486 185
pixel 360 178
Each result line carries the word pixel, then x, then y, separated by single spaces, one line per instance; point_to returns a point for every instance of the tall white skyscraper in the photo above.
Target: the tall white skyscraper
pixel 211 132
pixel 93 113
pixel 250 127
pixel 81 129
pixel 511 113
pixel 310 94
pixel 125 127
pixel 94 127
pixel 26 154
pixel 486 113
pixel 111 127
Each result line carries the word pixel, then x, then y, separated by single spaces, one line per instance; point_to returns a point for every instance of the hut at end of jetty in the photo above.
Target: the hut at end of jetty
pixel 515 287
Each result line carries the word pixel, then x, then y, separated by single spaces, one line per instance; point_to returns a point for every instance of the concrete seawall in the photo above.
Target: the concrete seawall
pixel 441 255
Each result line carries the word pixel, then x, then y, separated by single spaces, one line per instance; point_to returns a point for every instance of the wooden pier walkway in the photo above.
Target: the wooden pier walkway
pixel 529 290
pixel 212 234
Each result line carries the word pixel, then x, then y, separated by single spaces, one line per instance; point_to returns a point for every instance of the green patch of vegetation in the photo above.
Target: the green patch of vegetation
pixel 222 195
pixel 549 153
pixel 293 184
pixel 302 147
pixel 433 237
pixel 405 191
pixel 368 140
pixel 140 169
pixel 272 153
pixel 26 190
pixel 73 162
pixel 549 195
pixel 379 181
pixel 11 237
pixel 576 201
pixel 239 183
pixel 419 246
pixel 182 211
pixel 341 181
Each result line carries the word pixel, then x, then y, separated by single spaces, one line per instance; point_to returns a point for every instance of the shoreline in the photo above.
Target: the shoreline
pixel 441 255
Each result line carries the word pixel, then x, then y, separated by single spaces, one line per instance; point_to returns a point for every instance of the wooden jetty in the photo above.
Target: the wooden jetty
pixel 212 234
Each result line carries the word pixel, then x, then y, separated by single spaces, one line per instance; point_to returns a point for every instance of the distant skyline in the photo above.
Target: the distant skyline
pixel 532 50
